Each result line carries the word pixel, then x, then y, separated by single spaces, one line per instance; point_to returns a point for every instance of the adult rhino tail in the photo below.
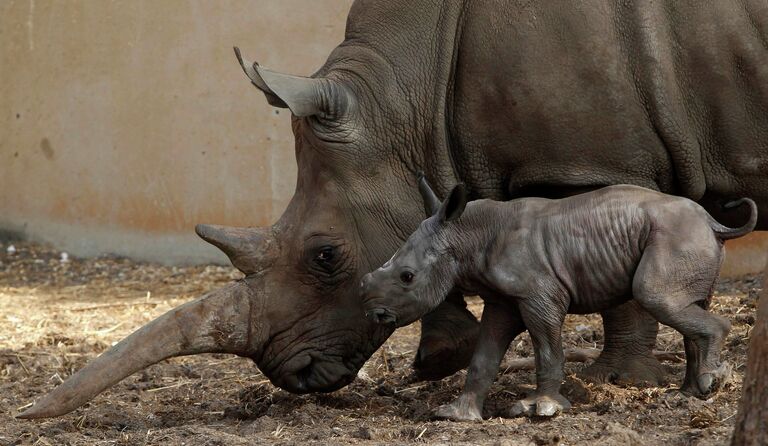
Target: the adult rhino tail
pixel 726 233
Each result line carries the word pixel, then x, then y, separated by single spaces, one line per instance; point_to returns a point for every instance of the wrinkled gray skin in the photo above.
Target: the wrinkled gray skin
pixel 535 260
pixel 512 98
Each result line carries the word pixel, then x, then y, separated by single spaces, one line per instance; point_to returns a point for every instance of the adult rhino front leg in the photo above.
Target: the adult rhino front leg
pixel 627 357
pixel 448 338
pixel 448 334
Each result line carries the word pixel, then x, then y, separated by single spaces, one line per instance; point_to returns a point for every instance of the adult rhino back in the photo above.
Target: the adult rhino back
pixel 670 95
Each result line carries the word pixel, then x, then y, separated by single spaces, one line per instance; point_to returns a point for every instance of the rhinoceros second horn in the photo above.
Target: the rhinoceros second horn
pixel 247 248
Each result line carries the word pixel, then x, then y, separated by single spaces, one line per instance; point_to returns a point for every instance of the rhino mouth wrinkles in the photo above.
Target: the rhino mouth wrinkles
pixel 315 368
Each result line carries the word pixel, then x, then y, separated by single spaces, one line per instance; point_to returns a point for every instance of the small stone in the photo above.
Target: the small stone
pixel 616 434
pixel 363 433
pixel 385 390
pixel 703 417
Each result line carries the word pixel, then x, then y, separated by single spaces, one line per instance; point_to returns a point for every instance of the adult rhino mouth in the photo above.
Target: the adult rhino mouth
pixel 318 371
pixel 319 375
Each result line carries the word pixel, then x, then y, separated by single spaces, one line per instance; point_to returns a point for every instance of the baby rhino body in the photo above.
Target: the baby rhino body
pixel 588 252
pixel 535 260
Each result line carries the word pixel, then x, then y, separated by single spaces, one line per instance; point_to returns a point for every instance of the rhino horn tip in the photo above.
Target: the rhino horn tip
pixel 220 236
pixel 204 231
pixel 34 412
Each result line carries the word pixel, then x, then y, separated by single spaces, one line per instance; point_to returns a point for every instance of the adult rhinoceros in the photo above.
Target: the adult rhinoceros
pixel 513 98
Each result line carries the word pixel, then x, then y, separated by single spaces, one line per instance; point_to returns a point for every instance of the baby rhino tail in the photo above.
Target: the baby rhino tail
pixel 726 233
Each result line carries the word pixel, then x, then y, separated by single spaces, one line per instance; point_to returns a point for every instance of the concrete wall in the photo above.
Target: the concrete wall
pixel 745 255
pixel 123 124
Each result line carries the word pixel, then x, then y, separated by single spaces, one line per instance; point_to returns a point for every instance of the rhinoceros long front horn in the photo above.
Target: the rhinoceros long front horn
pixel 219 322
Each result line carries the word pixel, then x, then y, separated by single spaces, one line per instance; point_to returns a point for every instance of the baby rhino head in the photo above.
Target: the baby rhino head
pixel 422 272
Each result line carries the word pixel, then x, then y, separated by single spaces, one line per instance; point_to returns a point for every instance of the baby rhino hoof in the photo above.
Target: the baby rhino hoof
pixel 540 406
pixel 711 382
pixel 459 410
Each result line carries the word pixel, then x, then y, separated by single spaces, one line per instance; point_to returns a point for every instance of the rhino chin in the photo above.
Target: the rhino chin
pixel 318 375
pixel 323 373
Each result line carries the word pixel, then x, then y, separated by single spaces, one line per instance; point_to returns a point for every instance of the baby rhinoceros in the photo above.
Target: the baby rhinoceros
pixel 534 260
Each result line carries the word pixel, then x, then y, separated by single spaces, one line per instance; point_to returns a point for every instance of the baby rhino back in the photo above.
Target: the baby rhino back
pixel 593 243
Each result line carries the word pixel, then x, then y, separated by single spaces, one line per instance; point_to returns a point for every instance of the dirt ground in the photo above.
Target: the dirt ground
pixel 56 315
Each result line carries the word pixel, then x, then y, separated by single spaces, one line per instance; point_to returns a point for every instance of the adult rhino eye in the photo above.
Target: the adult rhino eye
pixel 406 277
pixel 325 254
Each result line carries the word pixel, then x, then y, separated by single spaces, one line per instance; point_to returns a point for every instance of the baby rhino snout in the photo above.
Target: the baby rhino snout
pixel 372 287
pixel 365 285
pixel 372 304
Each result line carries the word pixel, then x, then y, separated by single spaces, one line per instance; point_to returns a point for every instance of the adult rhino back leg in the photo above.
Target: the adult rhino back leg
pixel 627 357
pixel 448 338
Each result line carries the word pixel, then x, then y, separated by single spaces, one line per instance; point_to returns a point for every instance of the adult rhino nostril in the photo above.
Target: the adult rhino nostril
pixel 302 376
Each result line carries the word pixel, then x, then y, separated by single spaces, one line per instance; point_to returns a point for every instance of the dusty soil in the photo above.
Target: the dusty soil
pixel 55 316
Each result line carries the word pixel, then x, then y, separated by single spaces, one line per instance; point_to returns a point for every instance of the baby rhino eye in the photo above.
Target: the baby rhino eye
pixel 406 277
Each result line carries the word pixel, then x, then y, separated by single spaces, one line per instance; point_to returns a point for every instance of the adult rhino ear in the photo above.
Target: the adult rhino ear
pixel 454 205
pixel 250 70
pixel 304 96
pixel 431 202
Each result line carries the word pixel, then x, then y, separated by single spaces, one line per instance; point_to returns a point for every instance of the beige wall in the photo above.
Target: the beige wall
pixel 123 124
pixel 746 255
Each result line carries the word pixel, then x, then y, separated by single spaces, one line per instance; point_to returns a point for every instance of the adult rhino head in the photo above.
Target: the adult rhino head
pixel 293 313
pixel 297 312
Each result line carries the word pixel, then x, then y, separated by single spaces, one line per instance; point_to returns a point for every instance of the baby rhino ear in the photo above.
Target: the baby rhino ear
pixel 431 202
pixel 454 205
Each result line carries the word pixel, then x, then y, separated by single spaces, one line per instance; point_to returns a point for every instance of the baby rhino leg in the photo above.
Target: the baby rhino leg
pixel 693 357
pixel 500 324
pixel 704 337
pixel 674 290
pixel 544 320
